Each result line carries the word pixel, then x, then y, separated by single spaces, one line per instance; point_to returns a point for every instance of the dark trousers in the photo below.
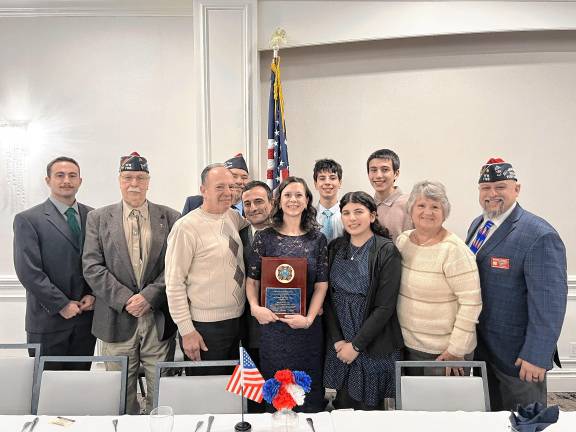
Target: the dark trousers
pixel 414 355
pixel 507 392
pixel 76 341
pixel 223 341
pixel 344 401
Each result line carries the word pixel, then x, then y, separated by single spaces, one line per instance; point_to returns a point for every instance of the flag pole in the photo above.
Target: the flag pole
pixel 242 426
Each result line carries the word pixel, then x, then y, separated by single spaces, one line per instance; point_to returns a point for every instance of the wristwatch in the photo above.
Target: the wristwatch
pixel 355 348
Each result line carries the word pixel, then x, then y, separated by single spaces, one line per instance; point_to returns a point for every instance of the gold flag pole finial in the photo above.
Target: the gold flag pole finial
pixel 278 38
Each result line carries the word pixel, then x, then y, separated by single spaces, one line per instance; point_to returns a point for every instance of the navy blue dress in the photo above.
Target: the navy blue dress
pixel 282 347
pixel 367 380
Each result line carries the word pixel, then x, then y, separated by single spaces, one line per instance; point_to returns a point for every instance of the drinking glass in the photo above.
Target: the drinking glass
pixel 161 419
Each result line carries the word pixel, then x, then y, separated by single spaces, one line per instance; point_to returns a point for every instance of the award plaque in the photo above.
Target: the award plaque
pixel 283 285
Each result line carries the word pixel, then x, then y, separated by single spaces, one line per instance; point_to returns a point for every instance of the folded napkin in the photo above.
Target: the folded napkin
pixel 534 417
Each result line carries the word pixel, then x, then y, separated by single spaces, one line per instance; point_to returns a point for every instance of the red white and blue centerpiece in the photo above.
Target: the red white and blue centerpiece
pixel 287 389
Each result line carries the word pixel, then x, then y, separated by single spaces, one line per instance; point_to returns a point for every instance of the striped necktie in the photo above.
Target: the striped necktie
pixel 481 236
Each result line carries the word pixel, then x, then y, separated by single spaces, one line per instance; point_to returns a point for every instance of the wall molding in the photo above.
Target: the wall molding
pixel 79 11
pixel 205 79
pixel 11 288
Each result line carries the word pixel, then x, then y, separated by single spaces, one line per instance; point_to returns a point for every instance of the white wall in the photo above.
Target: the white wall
pixel 97 88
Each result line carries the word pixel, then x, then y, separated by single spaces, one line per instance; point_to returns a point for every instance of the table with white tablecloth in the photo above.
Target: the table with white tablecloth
pixel 413 421
pixel 182 423
pixel 336 421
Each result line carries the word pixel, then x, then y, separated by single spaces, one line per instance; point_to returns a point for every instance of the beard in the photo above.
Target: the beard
pixel 492 212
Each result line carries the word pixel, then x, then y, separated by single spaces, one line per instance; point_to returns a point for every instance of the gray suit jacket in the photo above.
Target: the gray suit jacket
pixel 48 263
pixel 108 271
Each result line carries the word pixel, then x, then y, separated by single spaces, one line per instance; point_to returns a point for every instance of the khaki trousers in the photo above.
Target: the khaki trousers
pixel 143 347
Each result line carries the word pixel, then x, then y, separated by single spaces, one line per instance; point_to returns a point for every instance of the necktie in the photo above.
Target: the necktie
pixel 481 236
pixel 136 246
pixel 327 228
pixel 73 224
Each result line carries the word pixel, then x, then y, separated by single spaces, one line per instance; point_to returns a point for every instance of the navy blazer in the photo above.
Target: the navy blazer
pixel 48 263
pixel 192 203
pixel 524 284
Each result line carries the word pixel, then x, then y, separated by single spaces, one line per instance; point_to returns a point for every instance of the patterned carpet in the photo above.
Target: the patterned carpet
pixel 566 401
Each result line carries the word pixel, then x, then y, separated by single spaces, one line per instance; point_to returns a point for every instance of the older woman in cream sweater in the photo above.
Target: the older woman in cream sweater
pixel 439 301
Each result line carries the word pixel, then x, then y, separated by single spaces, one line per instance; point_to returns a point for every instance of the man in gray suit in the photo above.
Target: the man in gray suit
pixel 124 265
pixel 48 242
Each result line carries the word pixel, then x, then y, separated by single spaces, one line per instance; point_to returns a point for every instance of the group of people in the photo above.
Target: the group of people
pixel 385 280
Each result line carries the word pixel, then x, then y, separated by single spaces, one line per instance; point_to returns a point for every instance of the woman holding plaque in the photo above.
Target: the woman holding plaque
pixel 440 297
pixel 295 341
pixel 363 333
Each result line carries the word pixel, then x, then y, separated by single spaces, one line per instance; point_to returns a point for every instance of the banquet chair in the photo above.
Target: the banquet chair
pixel 442 393
pixel 205 394
pixel 17 374
pixel 72 392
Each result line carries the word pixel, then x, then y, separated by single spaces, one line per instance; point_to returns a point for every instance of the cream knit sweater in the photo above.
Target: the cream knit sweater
pixel 439 299
pixel 205 269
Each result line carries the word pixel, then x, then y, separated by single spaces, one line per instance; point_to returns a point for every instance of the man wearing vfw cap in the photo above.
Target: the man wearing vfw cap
pixel 522 265
pixel 239 169
pixel 124 265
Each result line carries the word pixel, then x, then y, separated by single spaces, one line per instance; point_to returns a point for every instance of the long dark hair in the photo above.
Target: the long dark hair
pixel 367 201
pixel 308 217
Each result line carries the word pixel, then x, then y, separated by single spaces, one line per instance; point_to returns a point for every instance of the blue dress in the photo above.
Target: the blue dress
pixel 282 347
pixel 368 380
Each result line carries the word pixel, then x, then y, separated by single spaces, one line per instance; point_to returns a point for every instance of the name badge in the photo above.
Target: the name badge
pixel 500 263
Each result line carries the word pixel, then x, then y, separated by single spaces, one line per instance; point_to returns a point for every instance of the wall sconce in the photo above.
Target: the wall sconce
pixel 13 148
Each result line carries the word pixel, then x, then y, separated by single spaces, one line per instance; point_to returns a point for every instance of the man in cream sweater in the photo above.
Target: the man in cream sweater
pixel 205 271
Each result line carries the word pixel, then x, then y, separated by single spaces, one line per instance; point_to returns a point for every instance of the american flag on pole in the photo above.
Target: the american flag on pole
pixel 278 167
pixel 253 381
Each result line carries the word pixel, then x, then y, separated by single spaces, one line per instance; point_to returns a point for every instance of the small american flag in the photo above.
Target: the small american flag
pixel 253 380
pixel 277 152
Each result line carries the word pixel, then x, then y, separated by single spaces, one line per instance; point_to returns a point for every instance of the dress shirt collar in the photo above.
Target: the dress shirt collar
pixel 389 201
pixel 335 209
pixel 63 207
pixel 127 208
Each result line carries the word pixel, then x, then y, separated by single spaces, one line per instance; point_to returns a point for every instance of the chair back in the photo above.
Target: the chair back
pixel 71 392
pixel 17 377
pixel 442 393
pixel 203 394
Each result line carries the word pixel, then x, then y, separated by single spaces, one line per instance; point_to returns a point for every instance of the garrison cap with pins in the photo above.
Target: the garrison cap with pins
pixel 236 162
pixel 133 162
pixel 496 169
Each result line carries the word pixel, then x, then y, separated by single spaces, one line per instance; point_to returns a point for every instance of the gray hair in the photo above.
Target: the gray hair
pixel 432 190
pixel 209 168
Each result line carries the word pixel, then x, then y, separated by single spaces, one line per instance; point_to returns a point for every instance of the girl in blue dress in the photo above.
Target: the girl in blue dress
pixel 364 339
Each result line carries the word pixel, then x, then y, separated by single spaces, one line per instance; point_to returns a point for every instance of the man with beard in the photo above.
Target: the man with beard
pixel 522 265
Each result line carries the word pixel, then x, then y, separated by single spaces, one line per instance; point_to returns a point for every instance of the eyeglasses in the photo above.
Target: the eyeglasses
pixel 138 178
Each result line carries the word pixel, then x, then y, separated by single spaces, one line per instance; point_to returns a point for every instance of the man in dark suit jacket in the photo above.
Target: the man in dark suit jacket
pixel 124 265
pixel 239 169
pixel 257 201
pixel 522 265
pixel 48 241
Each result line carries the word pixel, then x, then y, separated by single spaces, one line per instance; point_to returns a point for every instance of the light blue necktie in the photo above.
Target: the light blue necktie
pixel 327 228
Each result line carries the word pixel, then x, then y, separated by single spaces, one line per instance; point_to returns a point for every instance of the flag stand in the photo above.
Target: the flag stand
pixel 242 426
